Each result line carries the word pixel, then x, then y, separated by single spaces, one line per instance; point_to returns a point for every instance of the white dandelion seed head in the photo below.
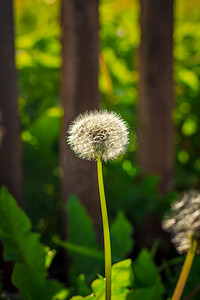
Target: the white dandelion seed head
pixel 98 134
pixel 183 221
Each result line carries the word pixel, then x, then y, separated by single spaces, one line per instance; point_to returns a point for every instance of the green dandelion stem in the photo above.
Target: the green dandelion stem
pixel 106 231
pixel 185 271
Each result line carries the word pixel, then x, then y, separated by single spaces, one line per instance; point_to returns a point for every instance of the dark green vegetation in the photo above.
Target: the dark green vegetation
pixel 139 279
pixel 32 258
pixel 38 62
pixel 130 198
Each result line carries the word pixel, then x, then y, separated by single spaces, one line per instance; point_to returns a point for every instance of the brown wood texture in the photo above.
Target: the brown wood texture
pixel 79 92
pixel 156 91
pixel 10 143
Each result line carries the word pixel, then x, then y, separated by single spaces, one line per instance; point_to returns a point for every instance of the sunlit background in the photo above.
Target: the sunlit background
pixel 38 60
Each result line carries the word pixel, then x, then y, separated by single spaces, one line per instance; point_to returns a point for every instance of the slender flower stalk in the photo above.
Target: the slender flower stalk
pixel 185 272
pixel 100 136
pixel 106 231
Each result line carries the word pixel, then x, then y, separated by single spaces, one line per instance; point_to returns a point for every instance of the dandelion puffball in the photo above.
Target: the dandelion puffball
pixel 98 134
pixel 183 221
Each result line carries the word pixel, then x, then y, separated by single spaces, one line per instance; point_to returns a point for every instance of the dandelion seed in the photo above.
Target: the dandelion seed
pixel 98 134
pixel 183 222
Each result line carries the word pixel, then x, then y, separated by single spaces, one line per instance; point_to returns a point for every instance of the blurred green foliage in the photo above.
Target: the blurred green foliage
pixel 147 281
pixel 32 259
pixel 187 91
pixel 38 61
pixel 87 257
pixel 24 248
pixel 122 281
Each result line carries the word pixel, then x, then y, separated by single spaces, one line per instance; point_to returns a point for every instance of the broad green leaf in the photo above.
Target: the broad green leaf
pixel 87 257
pixel 24 248
pixel 146 277
pixel 81 232
pixel 20 245
pixel 122 282
pixel 80 227
pixel 36 287
pixel 121 236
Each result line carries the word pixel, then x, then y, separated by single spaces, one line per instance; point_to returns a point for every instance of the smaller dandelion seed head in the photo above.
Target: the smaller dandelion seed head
pixel 98 134
pixel 183 221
